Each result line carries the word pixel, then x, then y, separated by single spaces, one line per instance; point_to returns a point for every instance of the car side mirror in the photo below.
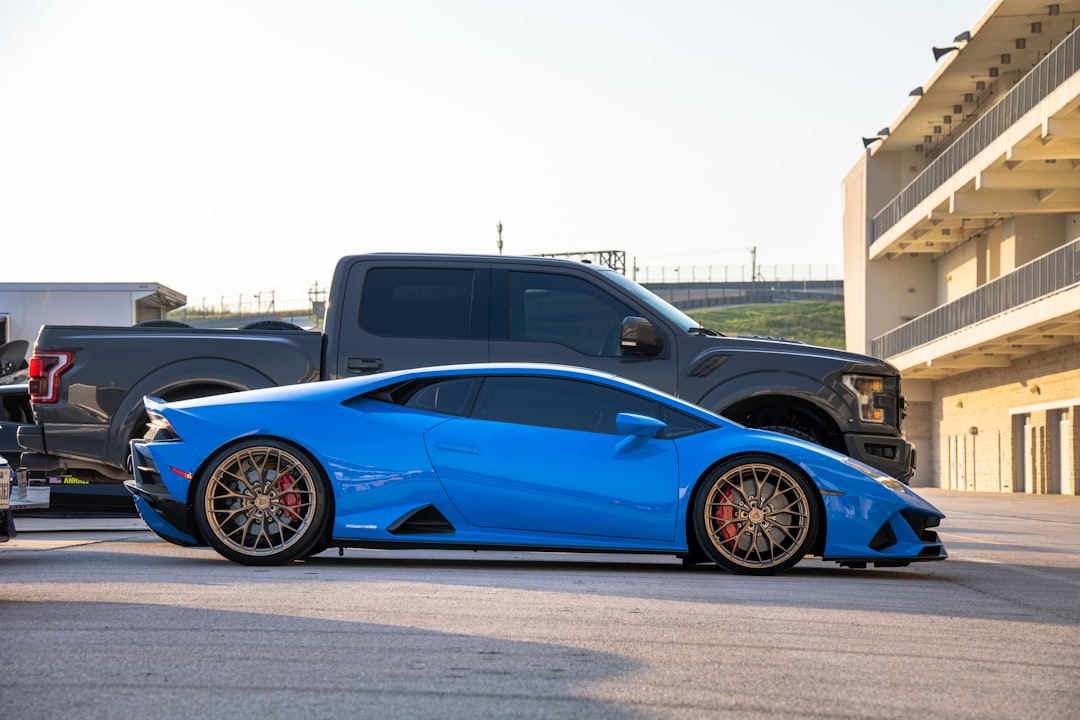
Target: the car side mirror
pixel 637 429
pixel 639 338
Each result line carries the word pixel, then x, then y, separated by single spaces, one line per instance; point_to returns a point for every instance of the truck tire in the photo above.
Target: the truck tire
pixel 270 325
pixel 791 432
pixel 162 324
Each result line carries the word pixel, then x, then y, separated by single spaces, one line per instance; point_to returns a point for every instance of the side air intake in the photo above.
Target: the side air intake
pixel 422 521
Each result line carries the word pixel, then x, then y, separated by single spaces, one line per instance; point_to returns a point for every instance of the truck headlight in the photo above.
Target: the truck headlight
pixel 867 389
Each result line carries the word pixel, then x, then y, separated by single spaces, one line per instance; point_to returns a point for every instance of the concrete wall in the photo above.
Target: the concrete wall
pixel 981 418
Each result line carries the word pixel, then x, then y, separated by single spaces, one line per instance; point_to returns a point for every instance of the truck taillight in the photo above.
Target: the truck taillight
pixel 45 371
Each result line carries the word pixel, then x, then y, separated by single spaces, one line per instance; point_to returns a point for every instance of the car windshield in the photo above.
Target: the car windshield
pixel 658 305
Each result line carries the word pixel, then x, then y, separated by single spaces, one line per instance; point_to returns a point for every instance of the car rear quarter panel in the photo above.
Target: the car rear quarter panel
pixel 372 453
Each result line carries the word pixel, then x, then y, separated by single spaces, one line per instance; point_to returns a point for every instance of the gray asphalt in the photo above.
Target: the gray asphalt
pixel 99 619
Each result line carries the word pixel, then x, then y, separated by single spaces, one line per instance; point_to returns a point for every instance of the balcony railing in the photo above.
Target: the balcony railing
pixel 1060 64
pixel 1055 271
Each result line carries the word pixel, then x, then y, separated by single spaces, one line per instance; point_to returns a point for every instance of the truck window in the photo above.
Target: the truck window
pixel 418 302
pixel 566 310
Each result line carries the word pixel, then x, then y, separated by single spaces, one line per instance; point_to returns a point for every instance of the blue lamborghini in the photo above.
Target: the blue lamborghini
pixel 510 456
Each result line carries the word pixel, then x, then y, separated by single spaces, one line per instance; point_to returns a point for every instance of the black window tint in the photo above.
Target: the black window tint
pixel 418 302
pixel 565 310
pixel 447 397
pixel 557 403
pixel 680 424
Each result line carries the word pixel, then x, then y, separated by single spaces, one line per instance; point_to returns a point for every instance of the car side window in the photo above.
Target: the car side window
pixel 446 397
pixel 566 310
pixel 680 424
pixel 557 403
pixel 419 303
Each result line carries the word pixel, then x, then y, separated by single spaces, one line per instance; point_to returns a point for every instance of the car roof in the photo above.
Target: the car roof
pixel 347 388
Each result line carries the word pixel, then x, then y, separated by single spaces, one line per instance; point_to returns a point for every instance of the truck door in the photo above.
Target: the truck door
pixel 401 316
pixel 567 319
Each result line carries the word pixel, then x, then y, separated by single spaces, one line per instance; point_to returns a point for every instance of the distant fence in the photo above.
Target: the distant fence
pixel 653 274
pixel 299 306
pixel 691 295
pixel 299 318
pixel 685 286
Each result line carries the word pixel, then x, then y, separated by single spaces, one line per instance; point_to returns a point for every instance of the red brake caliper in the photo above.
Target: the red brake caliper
pixel 288 499
pixel 726 514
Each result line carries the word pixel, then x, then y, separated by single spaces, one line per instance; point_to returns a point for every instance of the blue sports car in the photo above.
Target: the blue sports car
pixel 510 456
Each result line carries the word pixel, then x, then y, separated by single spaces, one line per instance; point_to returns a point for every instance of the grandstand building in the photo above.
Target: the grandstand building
pixel 962 254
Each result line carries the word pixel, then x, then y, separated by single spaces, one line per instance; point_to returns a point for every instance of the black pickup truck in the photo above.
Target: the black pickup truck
pixel 392 311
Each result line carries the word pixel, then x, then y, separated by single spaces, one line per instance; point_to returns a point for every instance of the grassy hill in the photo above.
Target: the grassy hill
pixel 815 323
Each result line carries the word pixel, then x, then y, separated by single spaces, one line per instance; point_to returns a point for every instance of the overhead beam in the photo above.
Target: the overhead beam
pixel 1062 150
pixel 994 202
pixel 969 362
pixel 1061 196
pixel 1050 177
pixel 1060 128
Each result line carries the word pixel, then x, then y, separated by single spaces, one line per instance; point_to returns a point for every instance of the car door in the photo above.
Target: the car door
pixel 542 454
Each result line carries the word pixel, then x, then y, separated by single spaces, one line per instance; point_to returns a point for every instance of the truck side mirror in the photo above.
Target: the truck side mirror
pixel 639 338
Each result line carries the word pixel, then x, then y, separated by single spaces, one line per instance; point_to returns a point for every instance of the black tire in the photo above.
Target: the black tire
pixel 791 432
pixel 270 325
pixel 755 515
pixel 162 324
pixel 262 502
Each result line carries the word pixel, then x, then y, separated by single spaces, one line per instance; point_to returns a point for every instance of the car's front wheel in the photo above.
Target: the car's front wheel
pixel 262 502
pixel 755 515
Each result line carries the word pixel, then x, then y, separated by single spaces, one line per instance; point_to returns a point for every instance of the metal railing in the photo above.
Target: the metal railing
pixel 1060 64
pixel 1055 271
pixel 652 274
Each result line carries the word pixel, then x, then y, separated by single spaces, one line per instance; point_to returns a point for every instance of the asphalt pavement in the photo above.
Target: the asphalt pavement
pixel 100 619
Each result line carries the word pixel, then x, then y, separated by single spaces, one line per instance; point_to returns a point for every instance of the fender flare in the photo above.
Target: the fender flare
pixel 228 375
pixel 779 384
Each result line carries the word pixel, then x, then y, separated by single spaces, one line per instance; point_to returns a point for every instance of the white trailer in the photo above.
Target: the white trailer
pixel 25 307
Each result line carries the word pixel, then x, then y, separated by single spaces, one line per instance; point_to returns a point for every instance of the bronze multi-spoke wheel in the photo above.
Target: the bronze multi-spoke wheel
pixel 262 502
pixel 755 515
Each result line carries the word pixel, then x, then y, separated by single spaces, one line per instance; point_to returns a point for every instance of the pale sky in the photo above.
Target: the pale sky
pixel 223 147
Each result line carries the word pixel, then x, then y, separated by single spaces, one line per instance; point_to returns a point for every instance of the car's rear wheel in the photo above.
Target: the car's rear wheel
pixel 262 502
pixel 756 515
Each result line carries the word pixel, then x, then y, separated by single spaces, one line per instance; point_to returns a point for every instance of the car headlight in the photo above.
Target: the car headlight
pixel 866 389
pixel 875 474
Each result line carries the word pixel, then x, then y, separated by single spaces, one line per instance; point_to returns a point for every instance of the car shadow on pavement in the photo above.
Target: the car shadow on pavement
pixel 130 659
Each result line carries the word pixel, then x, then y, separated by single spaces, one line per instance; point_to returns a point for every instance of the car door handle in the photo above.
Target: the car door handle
pixel 458 447
pixel 364 365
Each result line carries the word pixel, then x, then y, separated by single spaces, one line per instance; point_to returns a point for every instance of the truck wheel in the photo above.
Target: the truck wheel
pixel 755 515
pixel 262 502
